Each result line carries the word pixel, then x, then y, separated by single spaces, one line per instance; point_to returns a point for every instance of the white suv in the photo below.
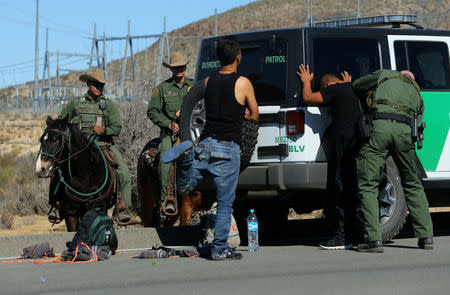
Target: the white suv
pixel 285 156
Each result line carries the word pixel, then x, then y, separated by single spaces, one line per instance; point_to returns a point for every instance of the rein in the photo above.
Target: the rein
pixel 66 140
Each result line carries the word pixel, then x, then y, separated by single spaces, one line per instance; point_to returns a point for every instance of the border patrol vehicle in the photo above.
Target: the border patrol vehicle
pixel 287 158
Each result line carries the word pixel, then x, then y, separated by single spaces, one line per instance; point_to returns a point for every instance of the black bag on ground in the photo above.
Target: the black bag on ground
pixel 96 228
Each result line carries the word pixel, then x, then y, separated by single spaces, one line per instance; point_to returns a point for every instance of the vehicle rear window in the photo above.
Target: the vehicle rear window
pixel 263 63
pixel 427 60
pixel 358 57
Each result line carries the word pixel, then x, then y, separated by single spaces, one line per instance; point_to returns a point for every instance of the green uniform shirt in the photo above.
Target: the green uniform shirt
pixel 166 101
pixel 76 108
pixel 394 90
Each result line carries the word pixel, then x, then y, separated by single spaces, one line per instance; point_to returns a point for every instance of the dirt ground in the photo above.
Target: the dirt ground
pixel 36 224
pixel 20 136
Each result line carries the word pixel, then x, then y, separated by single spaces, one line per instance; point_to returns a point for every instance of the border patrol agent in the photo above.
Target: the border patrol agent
pixel 397 102
pixel 95 112
pixel 164 109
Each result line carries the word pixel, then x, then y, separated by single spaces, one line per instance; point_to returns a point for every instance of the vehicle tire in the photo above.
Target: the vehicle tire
pixel 392 203
pixel 193 119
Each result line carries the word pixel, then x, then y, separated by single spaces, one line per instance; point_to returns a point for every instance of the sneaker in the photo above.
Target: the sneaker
pixel 228 254
pixel 335 243
pixel 425 243
pixel 371 247
pixel 177 152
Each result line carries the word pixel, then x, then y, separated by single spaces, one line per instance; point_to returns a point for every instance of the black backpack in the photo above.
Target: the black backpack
pixel 96 228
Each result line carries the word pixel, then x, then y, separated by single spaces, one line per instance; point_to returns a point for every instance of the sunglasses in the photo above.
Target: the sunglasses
pixel 96 84
pixel 179 68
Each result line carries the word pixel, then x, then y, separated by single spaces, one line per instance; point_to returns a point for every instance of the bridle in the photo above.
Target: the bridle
pixel 66 141
pixel 60 150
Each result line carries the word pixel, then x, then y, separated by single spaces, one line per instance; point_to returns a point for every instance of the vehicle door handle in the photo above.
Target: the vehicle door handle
pixel 278 118
pixel 281 150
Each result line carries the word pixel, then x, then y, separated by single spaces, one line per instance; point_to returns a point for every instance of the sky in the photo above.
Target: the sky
pixel 71 25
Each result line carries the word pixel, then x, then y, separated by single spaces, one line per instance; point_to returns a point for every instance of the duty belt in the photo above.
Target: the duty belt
pixel 394 117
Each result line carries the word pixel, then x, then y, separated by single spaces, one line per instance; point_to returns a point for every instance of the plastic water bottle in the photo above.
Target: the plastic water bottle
pixel 252 226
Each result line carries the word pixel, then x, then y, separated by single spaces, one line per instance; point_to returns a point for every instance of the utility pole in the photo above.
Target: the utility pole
pixel 358 15
pixel 36 61
pixel 46 65
pixel 124 62
pixel 308 13
pixel 163 42
pixel 215 22
pixel 58 76
pixel 104 56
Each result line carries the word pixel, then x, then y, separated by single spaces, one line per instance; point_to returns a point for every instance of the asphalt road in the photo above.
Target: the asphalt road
pixel 402 269
pixel 288 264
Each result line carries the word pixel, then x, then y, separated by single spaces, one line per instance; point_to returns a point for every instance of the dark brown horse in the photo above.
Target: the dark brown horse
pixel 81 177
pixel 148 189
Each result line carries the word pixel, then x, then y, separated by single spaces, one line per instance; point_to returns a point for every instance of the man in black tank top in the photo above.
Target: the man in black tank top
pixel 217 155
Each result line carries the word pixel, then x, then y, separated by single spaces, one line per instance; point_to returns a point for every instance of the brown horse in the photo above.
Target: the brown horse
pixel 148 189
pixel 81 177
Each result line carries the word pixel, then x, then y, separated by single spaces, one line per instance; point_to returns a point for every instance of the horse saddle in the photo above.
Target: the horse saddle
pixel 110 156
pixel 151 153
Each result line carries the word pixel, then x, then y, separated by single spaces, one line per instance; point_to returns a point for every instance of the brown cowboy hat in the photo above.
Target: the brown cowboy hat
pixel 96 75
pixel 176 60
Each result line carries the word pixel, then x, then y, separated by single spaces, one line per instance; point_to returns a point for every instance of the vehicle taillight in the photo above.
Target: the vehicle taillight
pixel 295 122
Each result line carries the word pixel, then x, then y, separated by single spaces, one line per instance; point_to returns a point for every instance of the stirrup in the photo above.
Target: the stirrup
pixel 169 206
pixel 122 216
pixel 53 216
pixel 177 152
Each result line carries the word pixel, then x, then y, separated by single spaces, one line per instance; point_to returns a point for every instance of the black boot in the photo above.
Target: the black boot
pixel 371 247
pixel 425 243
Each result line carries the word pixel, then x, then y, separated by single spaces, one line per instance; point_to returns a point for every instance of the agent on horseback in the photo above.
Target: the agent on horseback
pixel 163 111
pixel 95 115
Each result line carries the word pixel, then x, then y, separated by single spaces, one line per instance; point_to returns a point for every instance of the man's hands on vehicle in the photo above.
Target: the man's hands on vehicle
pixel 346 77
pixel 304 74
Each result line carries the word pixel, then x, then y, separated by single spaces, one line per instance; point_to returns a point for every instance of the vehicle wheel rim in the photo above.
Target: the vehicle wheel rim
pixel 197 120
pixel 386 198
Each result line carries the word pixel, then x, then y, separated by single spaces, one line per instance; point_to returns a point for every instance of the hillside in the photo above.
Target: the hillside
pixel 265 14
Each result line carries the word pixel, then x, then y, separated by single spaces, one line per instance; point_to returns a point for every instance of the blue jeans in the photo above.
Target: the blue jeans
pixel 220 160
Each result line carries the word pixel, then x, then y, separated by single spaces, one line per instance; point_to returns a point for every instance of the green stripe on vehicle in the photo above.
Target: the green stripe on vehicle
pixel 437 118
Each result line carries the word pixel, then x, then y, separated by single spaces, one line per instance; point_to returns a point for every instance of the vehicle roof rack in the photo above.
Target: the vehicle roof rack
pixel 394 20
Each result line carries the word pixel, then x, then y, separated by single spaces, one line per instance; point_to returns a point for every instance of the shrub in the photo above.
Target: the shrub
pixel 21 191
pixel 137 130
pixel 7 220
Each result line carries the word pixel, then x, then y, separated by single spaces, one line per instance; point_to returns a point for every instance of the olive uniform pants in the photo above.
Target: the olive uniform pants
pixel 124 176
pixel 166 144
pixel 391 138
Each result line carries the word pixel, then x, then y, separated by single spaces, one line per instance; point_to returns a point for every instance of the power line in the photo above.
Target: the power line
pixel 20 63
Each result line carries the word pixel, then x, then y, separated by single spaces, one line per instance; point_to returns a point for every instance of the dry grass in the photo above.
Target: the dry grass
pixel 17 137
pixel 20 190
pixel 32 224
pixel 7 220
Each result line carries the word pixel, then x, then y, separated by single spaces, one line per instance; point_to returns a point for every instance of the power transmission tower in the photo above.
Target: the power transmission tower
pixel 46 72
pixel 94 46
pixel 163 44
